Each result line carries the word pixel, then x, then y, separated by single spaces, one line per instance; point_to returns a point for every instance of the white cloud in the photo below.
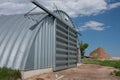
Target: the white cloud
pixel 7 8
pixel 114 5
pixel 92 25
pixel 81 7
pixel 72 7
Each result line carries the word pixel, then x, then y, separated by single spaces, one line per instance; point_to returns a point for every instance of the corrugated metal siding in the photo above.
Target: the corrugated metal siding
pixel 29 42
pixel 44 46
pixel 64 17
pixel 16 38
pixel 78 50
pixel 66 47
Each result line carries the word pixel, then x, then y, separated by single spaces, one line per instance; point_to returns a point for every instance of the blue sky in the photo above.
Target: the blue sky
pixel 108 38
pixel 97 20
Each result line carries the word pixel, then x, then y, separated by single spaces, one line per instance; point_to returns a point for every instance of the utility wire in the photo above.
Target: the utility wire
pixel 58 11
pixel 30 11
pixel 30 17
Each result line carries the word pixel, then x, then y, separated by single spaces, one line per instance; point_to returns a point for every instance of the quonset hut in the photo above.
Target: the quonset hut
pixel 38 41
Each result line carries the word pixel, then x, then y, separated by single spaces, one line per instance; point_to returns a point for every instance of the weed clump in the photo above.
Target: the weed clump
pixel 9 74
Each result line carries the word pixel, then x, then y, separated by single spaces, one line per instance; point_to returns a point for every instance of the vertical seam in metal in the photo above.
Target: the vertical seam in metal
pixel 68 46
pixel 54 58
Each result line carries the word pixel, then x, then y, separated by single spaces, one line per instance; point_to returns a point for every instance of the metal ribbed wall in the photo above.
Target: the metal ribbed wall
pixel 43 48
pixel 31 41
pixel 66 47
pixel 17 34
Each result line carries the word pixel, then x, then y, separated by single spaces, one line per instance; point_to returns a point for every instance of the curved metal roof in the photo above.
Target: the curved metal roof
pixel 64 17
pixel 17 33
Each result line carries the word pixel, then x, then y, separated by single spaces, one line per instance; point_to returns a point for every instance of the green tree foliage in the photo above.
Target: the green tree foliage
pixel 83 47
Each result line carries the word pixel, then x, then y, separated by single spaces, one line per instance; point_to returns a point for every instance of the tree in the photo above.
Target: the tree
pixel 83 46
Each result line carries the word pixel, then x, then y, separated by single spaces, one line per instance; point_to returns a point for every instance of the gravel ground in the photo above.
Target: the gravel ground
pixel 82 72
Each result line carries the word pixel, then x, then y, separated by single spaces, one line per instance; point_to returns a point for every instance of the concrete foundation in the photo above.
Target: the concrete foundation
pixel 79 64
pixel 28 74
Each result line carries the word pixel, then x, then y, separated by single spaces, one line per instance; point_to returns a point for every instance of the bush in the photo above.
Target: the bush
pixel 117 73
pixel 9 74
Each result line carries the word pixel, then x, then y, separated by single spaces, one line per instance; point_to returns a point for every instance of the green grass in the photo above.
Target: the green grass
pixel 117 73
pixel 9 74
pixel 111 63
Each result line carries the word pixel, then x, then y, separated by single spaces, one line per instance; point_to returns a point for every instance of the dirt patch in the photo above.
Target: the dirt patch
pixel 82 72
